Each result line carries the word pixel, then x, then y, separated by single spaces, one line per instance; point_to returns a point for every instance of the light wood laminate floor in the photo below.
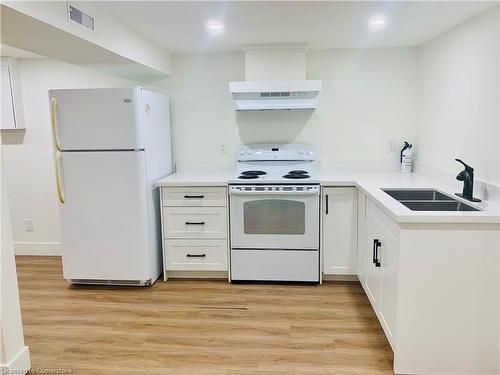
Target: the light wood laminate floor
pixel 198 327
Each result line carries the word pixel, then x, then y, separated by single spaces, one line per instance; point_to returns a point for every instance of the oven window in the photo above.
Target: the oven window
pixel 274 216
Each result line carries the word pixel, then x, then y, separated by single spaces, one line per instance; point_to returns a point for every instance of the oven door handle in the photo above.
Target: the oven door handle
pixel 257 193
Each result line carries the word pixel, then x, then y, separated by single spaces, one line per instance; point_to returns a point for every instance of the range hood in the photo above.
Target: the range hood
pixel 267 95
pixel 275 79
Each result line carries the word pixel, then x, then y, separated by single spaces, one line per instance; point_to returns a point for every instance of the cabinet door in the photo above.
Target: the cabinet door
pixel 360 257
pixel 372 272
pixel 339 231
pixel 388 257
pixel 8 114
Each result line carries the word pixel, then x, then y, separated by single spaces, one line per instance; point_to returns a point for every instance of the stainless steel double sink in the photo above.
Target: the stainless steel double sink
pixel 428 200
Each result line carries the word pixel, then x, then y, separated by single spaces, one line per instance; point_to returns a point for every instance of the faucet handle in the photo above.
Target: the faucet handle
pixel 468 168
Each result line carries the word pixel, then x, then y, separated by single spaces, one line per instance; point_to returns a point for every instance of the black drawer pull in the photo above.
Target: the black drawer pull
pixel 194 196
pixel 196 255
pixel 195 223
pixel 377 245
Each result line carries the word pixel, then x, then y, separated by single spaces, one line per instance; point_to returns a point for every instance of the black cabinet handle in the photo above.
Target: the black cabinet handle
pixel 374 257
pixel 195 223
pixel 196 255
pixel 326 197
pixel 194 196
pixel 377 245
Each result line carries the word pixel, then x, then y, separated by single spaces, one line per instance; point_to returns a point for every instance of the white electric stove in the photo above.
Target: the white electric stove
pixel 275 163
pixel 274 214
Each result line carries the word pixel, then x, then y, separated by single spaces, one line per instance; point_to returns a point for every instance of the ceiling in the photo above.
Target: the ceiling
pixel 179 26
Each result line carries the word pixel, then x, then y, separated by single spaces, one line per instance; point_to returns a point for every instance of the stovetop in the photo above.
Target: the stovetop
pixel 274 174
pixel 275 164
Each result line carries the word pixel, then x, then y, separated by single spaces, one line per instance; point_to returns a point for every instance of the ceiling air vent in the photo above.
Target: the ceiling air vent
pixel 81 17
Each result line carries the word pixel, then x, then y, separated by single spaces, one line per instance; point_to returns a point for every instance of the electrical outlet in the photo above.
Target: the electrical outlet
pixel 391 146
pixel 223 148
pixel 28 225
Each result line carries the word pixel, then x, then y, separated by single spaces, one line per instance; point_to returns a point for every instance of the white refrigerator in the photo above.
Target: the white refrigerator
pixel 112 145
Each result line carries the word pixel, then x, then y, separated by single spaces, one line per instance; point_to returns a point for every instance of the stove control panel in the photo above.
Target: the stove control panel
pixel 275 151
pixel 274 189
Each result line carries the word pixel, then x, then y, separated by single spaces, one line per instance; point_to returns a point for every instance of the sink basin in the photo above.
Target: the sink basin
pixel 418 195
pixel 427 200
pixel 450 205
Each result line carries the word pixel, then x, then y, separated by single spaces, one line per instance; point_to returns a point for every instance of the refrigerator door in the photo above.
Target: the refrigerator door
pixel 97 119
pixel 104 218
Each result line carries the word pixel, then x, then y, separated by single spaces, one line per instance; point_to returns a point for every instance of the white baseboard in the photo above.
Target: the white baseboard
pixel 20 364
pixel 340 278
pixel 197 275
pixel 37 248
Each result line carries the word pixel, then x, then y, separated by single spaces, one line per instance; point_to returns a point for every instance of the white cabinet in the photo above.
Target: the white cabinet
pixel 195 222
pixel 197 196
pixel 372 272
pixel 195 230
pixel 11 106
pixel 360 257
pixel 388 256
pixel 196 255
pixel 339 230
pixel 359 238
pixel 381 267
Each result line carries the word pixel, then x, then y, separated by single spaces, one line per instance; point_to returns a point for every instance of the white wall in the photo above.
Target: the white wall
pixel 368 99
pixel 275 63
pixel 459 100
pixel 29 168
pixel 14 355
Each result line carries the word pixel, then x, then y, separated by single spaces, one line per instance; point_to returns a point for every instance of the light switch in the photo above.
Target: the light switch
pixel 391 146
pixel 28 225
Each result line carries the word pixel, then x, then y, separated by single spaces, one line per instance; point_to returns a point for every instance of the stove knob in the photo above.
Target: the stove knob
pixel 308 151
pixel 242 152
pixel 249 151
pixel 301 150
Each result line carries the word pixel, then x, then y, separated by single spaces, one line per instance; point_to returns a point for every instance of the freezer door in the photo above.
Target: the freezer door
pixel 104 221
pixel 97 119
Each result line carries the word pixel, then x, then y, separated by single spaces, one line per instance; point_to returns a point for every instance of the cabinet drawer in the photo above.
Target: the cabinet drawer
pixel 194 222
pixel 196 255
pixel 194 196
pixel 389 228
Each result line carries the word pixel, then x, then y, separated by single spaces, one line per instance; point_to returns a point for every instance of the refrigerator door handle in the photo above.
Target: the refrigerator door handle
pixel 55 129
pixel 60 190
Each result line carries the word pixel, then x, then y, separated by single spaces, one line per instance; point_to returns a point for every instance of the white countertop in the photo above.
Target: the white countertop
pixel 371 183
pixel 196 179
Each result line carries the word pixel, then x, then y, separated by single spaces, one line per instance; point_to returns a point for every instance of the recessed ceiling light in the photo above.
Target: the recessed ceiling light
pixel 377 22
pixel 215 27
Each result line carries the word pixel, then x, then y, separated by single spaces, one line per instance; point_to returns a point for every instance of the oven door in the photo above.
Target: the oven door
pixel 275 221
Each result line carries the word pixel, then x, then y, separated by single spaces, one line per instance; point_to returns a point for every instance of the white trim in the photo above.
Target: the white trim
pixel 327 277
pixel 21 362
pixel 198 275
pixel 37 248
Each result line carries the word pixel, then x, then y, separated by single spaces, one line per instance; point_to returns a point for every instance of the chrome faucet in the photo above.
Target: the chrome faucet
pixel 467 176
